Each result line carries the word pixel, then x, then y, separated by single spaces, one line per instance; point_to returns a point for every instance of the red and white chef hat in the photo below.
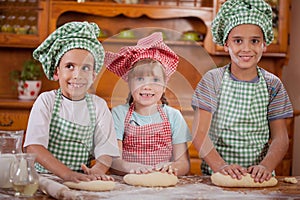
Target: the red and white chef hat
pixel 150 47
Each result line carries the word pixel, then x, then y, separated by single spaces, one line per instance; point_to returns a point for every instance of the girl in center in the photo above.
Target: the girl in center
pixel 152 136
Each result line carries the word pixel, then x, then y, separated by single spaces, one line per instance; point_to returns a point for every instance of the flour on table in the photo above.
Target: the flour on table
pixel 246 181
pixel 155 179
pixel 97 185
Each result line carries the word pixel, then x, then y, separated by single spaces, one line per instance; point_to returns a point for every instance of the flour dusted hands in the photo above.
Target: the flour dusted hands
pixel 98 170
pixel 166 167
pixel 137 168
pixel 234 170
pixel 260 173
pixel 96 174
pixel 77 177
pixel 88 175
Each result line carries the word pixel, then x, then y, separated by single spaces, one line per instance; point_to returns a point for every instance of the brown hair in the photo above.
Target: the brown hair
pixel 137 71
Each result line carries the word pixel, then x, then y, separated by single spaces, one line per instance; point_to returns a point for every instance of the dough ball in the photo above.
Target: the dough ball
pixel 97 185
pixel 247 181
pixel 155 179
pixel 292 180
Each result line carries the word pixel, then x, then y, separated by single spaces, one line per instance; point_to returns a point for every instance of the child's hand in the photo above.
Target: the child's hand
pixel 166 167
pixel 136 168
pixel 76 177
pixel 104 177
pixel 260 173
pixel 97 174
pixel 234 170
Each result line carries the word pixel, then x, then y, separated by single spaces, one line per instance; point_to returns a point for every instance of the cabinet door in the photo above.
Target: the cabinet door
pixel 23 23
pixel 279 46
pixel 14 119
pixel 281 10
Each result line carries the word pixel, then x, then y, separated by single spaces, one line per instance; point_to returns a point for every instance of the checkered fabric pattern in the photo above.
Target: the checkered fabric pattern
pixel 151 47
pixel 237 12
pixel 72 35
pixel 149 144
pixel 240 129
pixel 71 143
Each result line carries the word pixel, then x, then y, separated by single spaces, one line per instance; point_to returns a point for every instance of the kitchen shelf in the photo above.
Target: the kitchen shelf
pixel 23 25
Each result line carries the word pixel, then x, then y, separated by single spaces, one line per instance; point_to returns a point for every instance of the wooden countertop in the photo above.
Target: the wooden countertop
pixel 10 103
pixel 189 187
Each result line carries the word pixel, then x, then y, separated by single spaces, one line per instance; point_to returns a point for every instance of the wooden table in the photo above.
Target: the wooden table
pixel 189 187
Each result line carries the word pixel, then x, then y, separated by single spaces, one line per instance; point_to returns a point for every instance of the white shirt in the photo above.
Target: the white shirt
pixel 37 132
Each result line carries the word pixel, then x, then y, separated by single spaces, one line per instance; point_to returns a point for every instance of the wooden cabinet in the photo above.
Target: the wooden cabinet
pixel 181 16
pixel 23 23
pixel 281 14
pixel 14 114
pixel 113 17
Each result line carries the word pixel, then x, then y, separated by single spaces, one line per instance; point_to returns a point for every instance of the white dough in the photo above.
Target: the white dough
pixel 97 185
pixel 247 181
pixel 155 179
pixel 290 180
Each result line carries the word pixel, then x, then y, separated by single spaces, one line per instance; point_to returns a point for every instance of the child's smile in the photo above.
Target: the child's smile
pixel 76 85
pixel 246 58
pixel 147 94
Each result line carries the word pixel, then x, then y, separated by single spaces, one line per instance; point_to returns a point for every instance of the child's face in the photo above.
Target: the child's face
pixel 147 83
pixel 76 73
pixel 245 44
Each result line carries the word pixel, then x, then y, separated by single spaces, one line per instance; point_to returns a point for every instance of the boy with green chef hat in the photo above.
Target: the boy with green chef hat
pixel 240 109
pixel 68 127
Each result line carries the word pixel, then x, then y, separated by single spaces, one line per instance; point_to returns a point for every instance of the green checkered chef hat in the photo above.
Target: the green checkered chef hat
pixel 237 12
pixel 72 35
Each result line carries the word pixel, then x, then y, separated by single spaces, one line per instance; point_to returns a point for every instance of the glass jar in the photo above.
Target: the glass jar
pixel 11 141
pixel 23 176
pixel 10 144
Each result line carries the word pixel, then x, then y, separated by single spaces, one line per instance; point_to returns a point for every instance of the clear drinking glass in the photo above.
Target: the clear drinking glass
pixel 23 176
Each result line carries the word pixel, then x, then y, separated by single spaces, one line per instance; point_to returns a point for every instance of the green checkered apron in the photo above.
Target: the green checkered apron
pixel 239 129
pixel 70 143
